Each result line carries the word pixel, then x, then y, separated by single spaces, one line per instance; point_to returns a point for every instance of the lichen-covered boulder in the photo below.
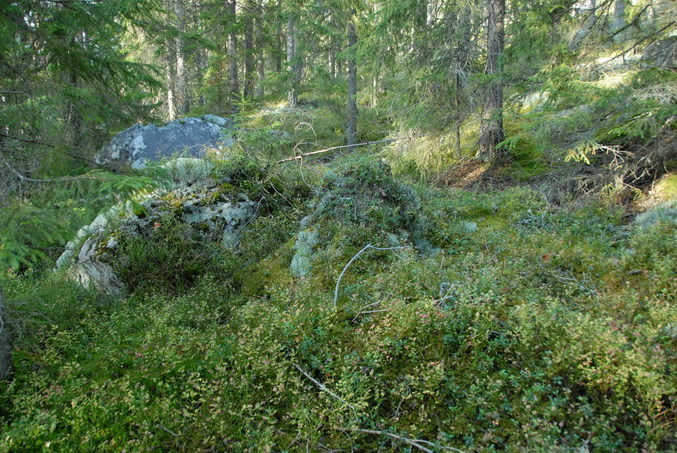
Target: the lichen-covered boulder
pixel 5 346
pixel 186 137
pixel 202 215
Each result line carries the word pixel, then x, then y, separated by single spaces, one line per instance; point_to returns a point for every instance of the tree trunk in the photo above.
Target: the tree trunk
pixel 182 103
pixel 491 129
pixel 585 30
pixel 279 45
pixel 619 19
pixel 248 90
pixel 199 68
pixel 293 64
pixel 73 115
pixel 170 72
pixel 233 81
pixel 260 51
pixel 352 112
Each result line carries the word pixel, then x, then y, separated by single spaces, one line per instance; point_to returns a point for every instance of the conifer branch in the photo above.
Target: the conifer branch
pixel 24 178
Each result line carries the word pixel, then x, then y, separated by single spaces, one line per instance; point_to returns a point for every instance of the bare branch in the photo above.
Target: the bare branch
pixel 322 387
pixel 333 148
pixel 357 255
pixel 416 443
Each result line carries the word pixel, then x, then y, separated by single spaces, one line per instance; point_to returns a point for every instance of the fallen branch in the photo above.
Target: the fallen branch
pixel 357 255
pixel 323 388
pixel 333 148
pixel 413 442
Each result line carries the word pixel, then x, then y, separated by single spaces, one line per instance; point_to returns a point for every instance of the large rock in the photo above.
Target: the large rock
pixel 187 137
pixel 5 346
pixel 213 214
pixel 661 53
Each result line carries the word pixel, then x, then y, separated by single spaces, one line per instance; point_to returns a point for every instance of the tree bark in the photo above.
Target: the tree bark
pixel 619 19
pixel 182 102
pixel 233 81
pixel 293 63
pixel 199 68
pixel 491 129
pixel 248 90
pixel 260 51
pixel 279 45
pixel 352 112
pixel 73 115
pixel 170 77
pixel 585 30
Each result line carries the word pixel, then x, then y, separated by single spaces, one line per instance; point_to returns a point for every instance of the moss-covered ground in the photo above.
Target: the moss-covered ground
pixel 501 322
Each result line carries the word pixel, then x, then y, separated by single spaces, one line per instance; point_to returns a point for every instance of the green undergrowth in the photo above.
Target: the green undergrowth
pixel 519 325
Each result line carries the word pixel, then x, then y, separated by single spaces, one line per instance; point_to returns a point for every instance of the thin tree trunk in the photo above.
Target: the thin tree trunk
pixel 457 106
pixel 182 102
pixel 248 90
pixel 279 45
pixel 619 19
pixel 170 76
pixel 234 84
pixel 73 116
pixel 198 69
pixel 352 112
pixel 293 64
pixel 260 51
pixel 491 129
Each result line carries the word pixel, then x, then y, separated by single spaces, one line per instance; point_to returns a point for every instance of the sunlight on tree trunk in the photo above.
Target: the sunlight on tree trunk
pixel 491 129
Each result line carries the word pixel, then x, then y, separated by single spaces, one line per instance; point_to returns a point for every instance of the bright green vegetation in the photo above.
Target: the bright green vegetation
pixel 515 296
pixel 507 322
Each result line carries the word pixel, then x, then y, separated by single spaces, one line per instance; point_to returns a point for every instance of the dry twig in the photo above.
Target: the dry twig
pixel 333 148
pixel 357 255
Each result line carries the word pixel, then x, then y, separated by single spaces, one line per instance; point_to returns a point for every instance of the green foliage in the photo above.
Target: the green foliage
pixel 33 232
pixel 531 336
pixel 26 234
pixel 171 257
pixel 360 196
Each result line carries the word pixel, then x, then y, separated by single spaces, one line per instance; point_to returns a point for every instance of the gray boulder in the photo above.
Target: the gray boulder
pixel 661 53
pixel 5 346
pixel 187 137
pixel 213 215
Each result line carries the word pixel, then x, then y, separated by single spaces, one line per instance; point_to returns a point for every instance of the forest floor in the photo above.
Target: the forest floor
pixel 498 318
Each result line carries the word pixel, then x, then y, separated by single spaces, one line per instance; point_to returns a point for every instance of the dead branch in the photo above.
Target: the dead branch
pixel 417 443
pixel 333 148
pixel 322 387
pixel 357 255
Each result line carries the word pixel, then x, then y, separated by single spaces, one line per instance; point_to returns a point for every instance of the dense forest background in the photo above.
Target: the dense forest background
pixel 514 220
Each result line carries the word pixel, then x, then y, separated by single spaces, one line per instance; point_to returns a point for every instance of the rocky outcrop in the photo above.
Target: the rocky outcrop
pixel 213 214
pixel 661 53
pixel 5 346
pixel 187 137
